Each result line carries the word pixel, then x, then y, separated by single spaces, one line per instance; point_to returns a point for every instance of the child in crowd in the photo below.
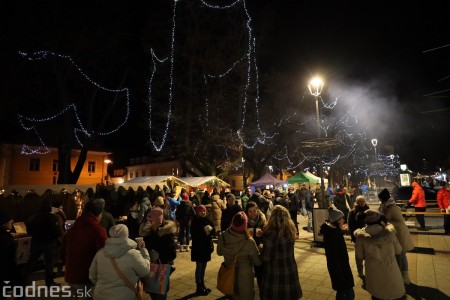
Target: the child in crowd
pixel 337 255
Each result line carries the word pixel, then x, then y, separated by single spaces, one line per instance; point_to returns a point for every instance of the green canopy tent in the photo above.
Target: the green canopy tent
pixel 297 178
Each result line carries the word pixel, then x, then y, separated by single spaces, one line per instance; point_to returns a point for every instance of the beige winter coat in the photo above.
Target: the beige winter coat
pixel 231 243
pixel 394 216
pixel 216 211
pixel 378 246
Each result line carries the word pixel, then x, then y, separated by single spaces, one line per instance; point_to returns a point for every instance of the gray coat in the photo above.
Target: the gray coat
pixel 231 243
pixel 394 216
pixel 378 246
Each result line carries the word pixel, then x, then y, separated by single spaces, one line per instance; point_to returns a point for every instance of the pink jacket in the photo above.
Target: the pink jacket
pixel 418 196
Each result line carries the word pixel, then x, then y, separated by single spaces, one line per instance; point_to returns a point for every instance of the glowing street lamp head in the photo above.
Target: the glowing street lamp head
pixel 107 161
pixel 392 156
pixel 315 86
pixel 374 142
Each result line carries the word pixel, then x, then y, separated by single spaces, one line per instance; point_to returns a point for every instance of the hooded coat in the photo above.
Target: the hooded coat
pixel 378 245
pixel 162 241
pixel 80 244
pixel 394 216
pixel 133 264
pixel 215 213
pixel 337 257
pixel 418 196
pixel 231 243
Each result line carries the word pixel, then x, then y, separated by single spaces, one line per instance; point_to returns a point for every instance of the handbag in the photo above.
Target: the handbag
pixel 225 278
pixel 159 281
pixel 138 289
pixel 226 275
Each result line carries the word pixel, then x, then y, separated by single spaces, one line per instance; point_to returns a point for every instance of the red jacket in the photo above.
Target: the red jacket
pixel 80 244
pixel 418 196
pixel 443 198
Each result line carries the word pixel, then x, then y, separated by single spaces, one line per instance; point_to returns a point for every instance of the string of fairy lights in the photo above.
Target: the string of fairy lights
pixel 352 140
pixel 81 128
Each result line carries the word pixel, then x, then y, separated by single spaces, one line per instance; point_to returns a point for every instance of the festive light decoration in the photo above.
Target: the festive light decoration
pixel 71 108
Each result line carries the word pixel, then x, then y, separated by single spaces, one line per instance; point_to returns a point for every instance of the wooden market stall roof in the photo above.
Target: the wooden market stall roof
pixel 152 181
pixel 204 180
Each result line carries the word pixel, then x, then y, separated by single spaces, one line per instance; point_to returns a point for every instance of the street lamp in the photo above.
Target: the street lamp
pixel 392 158
pixel 374 143
pixel 106 161
pixel 315 87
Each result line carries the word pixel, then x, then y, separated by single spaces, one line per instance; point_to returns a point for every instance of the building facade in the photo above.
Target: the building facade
pixel 17 168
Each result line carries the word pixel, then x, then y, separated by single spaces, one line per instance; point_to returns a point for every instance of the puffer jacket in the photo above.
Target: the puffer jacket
pixel 443 198
pixel 216 211
pixel 418 196
pixel 231 243
pixel 133 264
pixel 378 245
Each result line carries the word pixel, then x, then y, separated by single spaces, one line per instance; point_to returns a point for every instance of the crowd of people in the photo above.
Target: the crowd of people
pixel 259 229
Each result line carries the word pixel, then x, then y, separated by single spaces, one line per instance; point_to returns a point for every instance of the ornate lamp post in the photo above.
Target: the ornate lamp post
pixel 375 143
pixel 315 87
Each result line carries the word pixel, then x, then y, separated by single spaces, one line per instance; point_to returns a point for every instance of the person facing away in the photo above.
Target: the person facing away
pixel 280 274
pixel 443 200
pixel 202 231
pixel 377 245
pixel 44 229
pixel 132 259
pixel 184 215
pixel 294 207
pixel 237 241
pixel 232 207
pixel 107 220
pixel 80 244
pixel 337 255
pixel 420 204
pixel 393 215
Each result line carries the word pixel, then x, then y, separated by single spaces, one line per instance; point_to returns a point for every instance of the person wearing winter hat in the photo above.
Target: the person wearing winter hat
pixel 183 216
pixel 378 246
pixel 131 258
pixel 394 216
pixel 337 254
pixel 202 231
pixel 237 241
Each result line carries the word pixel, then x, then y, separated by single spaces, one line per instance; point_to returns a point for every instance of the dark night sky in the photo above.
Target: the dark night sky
pixel 369 52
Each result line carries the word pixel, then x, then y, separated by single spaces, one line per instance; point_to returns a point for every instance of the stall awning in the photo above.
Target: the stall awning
pixel 152 181
pixel 204 180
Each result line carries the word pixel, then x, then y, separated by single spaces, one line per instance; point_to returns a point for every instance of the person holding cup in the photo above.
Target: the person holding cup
pixel 256 222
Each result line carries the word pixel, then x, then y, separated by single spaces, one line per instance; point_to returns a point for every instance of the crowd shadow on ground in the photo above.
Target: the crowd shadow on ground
pixel 419 292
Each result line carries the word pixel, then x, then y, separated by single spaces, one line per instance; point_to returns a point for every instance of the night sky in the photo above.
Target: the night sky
pixel 370 53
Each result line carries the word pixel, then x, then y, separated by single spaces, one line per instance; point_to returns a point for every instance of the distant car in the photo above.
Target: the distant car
pixel 405 193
